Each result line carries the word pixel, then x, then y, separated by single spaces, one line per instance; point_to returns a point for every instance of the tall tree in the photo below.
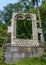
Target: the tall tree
pixel 40 22
pixel 36 2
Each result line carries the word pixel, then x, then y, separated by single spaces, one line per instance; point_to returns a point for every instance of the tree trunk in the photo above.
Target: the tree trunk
pixel 39 14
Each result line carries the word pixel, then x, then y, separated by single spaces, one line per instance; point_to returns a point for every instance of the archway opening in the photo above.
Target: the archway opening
pixel 24 28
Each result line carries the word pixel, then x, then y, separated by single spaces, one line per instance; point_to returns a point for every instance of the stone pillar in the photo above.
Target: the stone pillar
pixel 34 28
pixel 13 24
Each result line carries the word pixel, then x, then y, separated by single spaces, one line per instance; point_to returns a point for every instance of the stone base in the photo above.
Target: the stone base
pixel 15 54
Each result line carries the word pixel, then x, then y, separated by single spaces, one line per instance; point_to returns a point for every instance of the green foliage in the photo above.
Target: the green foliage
pixel 44 56
pixel 3 39
pixel 24 29
pixel 27 5
pixel 30 61
pixel 2 53
pixel 9 9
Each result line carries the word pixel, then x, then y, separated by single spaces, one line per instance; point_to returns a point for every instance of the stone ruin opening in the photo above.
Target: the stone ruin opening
pixel 24 28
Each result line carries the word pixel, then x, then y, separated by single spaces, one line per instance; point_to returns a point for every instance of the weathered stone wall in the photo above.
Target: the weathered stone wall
pixel 15 54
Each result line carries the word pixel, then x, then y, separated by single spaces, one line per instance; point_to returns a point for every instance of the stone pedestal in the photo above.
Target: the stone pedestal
pixel 15 54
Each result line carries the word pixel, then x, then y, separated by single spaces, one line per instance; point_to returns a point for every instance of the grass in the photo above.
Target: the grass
pixel 30 61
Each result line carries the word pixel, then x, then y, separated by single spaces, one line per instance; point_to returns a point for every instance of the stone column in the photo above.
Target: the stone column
pixel 13 34
pixel 34 27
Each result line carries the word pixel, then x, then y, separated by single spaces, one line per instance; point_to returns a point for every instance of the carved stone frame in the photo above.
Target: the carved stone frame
pixel 14 40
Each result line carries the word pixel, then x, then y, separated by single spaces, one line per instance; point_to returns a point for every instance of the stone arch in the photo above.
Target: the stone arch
pixel 18 16
pixel 28 17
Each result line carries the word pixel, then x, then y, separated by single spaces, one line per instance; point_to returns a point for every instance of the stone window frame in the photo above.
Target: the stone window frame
pixel 21 17
pixel 24 42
